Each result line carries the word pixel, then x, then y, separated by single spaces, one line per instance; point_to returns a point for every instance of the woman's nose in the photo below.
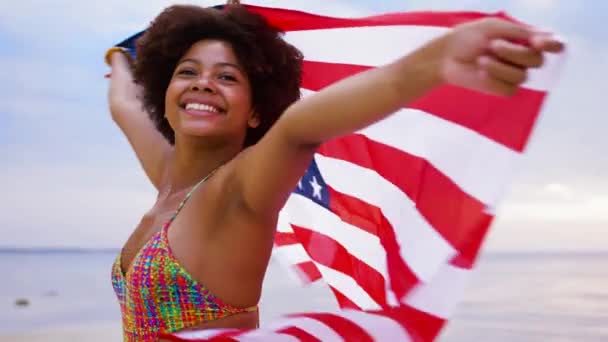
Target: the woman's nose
pixel 203 84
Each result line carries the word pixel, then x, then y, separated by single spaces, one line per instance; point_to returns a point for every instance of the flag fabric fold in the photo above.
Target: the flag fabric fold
pixel 392 217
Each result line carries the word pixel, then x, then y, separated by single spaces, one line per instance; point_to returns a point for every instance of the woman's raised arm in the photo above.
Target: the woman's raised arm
pixel 151 148
pixel 479 55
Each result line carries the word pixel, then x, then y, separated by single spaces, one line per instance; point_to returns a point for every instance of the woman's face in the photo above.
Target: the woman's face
pixel 209 94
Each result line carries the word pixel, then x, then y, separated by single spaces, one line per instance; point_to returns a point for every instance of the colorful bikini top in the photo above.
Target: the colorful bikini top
pixel 157 295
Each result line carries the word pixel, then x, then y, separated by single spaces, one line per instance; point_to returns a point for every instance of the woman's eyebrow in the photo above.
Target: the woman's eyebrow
pixel 231 65
pixel 218 64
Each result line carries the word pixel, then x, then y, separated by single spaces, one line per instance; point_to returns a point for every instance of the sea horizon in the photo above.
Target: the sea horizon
pixel 488 253
pixel 513 295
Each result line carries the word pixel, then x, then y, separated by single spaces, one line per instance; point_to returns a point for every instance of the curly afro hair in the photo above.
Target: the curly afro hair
pixel 273 66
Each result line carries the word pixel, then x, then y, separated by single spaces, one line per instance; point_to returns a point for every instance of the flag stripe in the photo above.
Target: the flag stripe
pixel 384 328
pixel 360 244
pixel 283 238
pixel 380 43
pixel 344 327
pixel 505 120
pixel 343 301
pixel 441 295
pixel 346 284
pixel 383 45
pixel 420 325
pixel 310 270
pixel 299 334
pixel 292 20
pixel 443 204
pixel 318 329
pixel 480 166
pixel 422 247
pixel 265 336
pixel 317 245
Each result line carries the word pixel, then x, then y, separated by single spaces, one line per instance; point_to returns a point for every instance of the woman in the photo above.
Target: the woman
pixel 227 143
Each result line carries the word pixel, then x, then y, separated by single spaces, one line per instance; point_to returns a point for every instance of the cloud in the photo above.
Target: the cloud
pixel 536 5
pixel 69 178
pixel 547 236
pixel 117 16
pixel 95 205
pixel 559 190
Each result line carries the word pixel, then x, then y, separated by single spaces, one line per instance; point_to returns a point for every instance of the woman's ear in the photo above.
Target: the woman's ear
pixel 254 120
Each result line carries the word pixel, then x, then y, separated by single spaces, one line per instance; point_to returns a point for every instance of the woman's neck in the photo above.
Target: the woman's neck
pixel 193 160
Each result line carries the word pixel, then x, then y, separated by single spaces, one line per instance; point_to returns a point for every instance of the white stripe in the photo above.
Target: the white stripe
pixel 441 295
pixel 361 244
pixel 380 328
pixel 371 46
pixel 201 334
pixel 289 256
pixel 265 336
pixel 480 166
pixel 349 287
pixel 312 326
pixel 283 223
pixel 422 247
pixel 293 254
pixel 380 45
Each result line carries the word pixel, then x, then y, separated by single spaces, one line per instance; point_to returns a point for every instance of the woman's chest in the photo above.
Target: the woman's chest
pixel 150 225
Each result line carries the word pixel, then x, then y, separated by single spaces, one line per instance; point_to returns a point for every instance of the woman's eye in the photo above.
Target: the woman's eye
pixel 227 77
pixel 187 72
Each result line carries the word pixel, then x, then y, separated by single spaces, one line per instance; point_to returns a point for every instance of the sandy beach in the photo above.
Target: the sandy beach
pixel 88 332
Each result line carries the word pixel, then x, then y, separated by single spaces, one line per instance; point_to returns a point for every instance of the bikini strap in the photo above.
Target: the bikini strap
pixel 183 203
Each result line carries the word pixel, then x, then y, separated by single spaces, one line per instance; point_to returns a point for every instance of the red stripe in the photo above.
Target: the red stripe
pixel 343 301
pixel 471 248
pixel 356 212
pixel 452 212
pixel 299 334
pixel 421 326
pixel 370 218
pixel 284 238
pixel 505 120
pixel 309 270
pixel 342 326
pixel 332 254
pixel 291 20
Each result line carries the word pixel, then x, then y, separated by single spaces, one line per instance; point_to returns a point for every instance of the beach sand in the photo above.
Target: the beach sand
pixel 78 333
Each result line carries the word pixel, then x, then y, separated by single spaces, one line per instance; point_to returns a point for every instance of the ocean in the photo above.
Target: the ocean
pixel 510 297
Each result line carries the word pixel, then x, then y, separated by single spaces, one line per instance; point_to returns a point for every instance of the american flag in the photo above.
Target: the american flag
pixel 392 217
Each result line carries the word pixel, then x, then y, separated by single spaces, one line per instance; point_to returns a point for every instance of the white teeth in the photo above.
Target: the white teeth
pixel 199 106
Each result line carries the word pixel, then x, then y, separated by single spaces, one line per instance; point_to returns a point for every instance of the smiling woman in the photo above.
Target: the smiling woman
pixel 228 142
pixel 207 79
pixel 247 59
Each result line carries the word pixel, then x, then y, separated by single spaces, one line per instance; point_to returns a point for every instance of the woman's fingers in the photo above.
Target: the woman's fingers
pixel 493 85
pixel 501 71
pixel 546 42
pixel 517 54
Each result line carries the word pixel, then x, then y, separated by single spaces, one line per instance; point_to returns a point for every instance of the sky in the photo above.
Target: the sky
pixel 70 179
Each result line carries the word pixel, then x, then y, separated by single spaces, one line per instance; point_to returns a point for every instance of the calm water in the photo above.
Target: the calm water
pixel 516 297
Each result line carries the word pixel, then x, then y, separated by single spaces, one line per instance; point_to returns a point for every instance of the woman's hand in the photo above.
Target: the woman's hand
pixel 493 55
